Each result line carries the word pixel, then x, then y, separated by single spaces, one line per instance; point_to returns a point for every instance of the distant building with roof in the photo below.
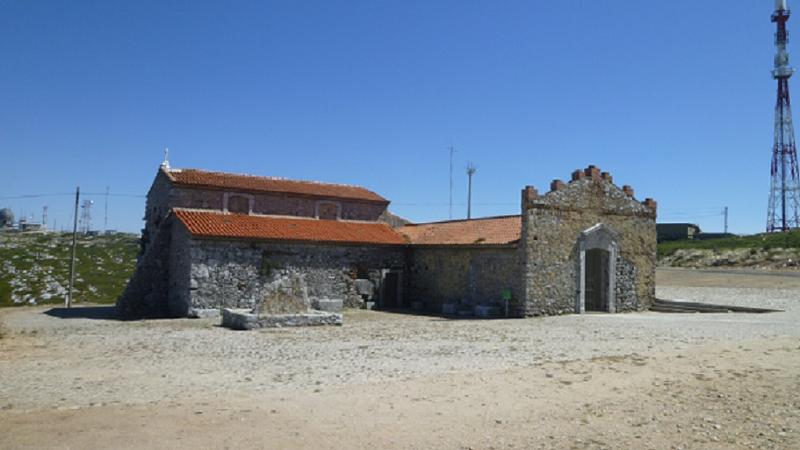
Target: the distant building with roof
pixel 218 240
pixel 677 231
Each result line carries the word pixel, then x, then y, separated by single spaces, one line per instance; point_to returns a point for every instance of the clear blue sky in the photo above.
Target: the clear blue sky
pixel 673 97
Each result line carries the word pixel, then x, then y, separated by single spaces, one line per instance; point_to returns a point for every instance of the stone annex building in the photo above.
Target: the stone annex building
pixel 219 240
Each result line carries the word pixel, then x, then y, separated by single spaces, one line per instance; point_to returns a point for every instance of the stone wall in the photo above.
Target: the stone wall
pixel 552 226
pixel 145 296
pixel 278 204
pixel 234 274
pixel 470 275
pixel 180 269
pixel 177 273
pixel 157 209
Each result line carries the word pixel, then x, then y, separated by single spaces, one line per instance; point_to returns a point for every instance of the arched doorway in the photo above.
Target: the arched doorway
pixel 597 251
pixel 596 280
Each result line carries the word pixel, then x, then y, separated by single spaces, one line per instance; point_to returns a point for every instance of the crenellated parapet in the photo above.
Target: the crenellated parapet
pixel 588 188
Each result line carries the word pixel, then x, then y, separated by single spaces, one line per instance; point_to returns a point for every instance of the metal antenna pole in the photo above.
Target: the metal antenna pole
pixel 68 300
pixel 450 214
pixel 105 219
pixel 471 169
pixel 725 213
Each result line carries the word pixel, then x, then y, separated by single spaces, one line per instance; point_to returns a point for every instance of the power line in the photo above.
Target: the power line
pixel 18 197
pixel 66 194
pixel 454 204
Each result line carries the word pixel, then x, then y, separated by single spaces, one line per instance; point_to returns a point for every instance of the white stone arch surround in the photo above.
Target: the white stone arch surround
pixel 600 236
pixel 251 199
pixel 321 203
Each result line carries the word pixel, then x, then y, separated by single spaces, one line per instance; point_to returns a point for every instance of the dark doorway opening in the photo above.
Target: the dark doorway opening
pixel 596 283
pixel 391 291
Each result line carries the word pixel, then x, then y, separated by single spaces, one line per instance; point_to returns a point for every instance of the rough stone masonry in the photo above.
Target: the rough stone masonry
pixel 216 240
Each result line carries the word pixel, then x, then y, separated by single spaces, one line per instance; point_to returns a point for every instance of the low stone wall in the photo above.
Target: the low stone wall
pixel 245 320
pixel 232 274
pixel 466 275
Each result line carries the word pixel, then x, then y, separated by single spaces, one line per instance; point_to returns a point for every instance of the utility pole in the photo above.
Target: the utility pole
pixel 450 214
pixel 471 169
pixel 68 300
pixel 725 212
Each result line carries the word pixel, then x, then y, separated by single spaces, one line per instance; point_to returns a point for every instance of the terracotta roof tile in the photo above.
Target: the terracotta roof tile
pixel 488 231
pixel 252 183
pixel 241 226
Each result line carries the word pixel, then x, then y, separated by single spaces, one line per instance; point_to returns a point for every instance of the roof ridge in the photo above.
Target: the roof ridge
pixel 508 216
pixel 267 177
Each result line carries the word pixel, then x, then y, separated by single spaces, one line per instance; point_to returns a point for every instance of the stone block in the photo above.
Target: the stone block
pixel 628 190
pixel 369 305
pixel 244 320
pixel 592 172
pixel 328 304
pixel 365 287
pixel 237 319
pixel 286 295
pixel 202 313
pixel 650 203
pixel 450 309
pixel 487 311
pixel 556 185
pixel 466 312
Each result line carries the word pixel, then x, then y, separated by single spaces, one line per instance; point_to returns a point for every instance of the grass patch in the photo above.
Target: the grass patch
pixel 765 241
pixel 36 267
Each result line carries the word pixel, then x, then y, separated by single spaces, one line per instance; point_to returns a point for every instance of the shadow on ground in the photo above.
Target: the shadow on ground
pixel 439 317
pixel 85 312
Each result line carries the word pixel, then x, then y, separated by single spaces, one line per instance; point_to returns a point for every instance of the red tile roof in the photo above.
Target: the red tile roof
pixel 252 183
pixel 240 226
pixel 488 231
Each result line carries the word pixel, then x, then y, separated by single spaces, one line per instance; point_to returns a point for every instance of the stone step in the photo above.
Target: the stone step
pixel 662 305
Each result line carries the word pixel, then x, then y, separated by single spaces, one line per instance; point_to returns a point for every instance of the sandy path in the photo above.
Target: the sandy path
pixel 706 398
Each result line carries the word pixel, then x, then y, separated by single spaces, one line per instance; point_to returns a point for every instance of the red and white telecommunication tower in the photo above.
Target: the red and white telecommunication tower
pixel 784 195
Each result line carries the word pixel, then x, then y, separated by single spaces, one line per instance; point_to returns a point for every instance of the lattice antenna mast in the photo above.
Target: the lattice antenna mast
pixel 86 216
pixel 784 196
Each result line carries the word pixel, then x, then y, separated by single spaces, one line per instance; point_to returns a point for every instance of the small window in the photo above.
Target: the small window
pixel 238 204
pixel 328 211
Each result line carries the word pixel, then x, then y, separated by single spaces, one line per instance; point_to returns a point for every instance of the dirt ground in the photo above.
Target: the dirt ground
pixel 80 379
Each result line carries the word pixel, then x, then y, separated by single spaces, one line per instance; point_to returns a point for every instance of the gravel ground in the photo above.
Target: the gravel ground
pixel 52 360
pixel 370 347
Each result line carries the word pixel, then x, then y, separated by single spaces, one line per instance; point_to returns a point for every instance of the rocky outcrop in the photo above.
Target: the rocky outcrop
pixel 757 258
